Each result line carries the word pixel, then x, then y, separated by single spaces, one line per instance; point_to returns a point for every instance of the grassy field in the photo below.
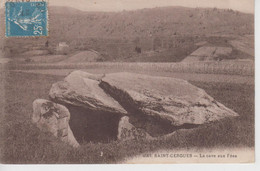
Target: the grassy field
pixel 211 78
pixel 22 142
pixel 227 68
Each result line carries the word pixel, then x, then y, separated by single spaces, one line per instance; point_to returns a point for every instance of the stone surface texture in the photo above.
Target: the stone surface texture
pixel 82 89
pixel 172 99
pixel 127 131
pixel 53 118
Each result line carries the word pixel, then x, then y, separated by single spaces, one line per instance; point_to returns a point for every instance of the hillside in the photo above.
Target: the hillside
pixel 163 21
pixel 167 21
pixel 168 32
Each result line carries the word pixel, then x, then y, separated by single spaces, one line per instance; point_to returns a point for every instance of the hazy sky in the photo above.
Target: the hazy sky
pixel 119 5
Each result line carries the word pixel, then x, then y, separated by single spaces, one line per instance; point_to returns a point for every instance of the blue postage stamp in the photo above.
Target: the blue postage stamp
pixel 26 19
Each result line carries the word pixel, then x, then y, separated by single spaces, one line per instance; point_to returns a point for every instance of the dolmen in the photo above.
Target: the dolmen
pixel 123 106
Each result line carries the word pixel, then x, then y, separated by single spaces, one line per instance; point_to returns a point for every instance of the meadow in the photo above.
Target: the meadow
pixel 245 68
pixel 22 142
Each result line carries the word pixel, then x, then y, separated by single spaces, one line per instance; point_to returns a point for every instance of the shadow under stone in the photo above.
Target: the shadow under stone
pixel 152 124
pixel 93 126
pixel 156 126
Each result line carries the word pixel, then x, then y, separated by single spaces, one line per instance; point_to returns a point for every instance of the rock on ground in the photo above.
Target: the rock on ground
pixel 127 131
pixel 171 99
pixel 82 89
pixel 54 118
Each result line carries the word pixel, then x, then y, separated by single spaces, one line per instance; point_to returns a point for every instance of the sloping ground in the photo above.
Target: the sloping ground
pixel 114 34
pixel 40 59
pixel 35 53
pixel 244 44
pixel 84 56
pixel 163 21
pixel 48 58
pixel 208 54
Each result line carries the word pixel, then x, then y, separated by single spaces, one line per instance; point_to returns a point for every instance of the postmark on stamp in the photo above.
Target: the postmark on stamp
pixel 26 19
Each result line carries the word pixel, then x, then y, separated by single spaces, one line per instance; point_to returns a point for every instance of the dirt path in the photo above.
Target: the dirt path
pixel 249 80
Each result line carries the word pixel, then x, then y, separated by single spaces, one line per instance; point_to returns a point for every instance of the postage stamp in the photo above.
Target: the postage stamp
pixel 26 19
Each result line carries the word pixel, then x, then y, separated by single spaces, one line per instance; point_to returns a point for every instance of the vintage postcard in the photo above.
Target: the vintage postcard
pixel 127 81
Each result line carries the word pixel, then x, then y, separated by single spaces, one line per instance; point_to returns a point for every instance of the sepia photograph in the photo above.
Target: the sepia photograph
pixel 127 81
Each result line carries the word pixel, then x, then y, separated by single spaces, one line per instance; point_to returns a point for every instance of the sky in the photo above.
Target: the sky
pixel 119 5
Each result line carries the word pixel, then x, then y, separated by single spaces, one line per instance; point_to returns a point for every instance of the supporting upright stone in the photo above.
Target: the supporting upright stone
pixel 127 131
pixel 54 118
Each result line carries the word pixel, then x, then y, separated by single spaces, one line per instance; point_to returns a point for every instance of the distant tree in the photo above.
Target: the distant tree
pixel 47 44
pixel 230 10
pixel 138 49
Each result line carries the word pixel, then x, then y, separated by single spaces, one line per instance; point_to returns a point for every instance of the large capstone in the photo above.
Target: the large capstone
pixel 82 89
pixel 170 99
pixel 53 118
